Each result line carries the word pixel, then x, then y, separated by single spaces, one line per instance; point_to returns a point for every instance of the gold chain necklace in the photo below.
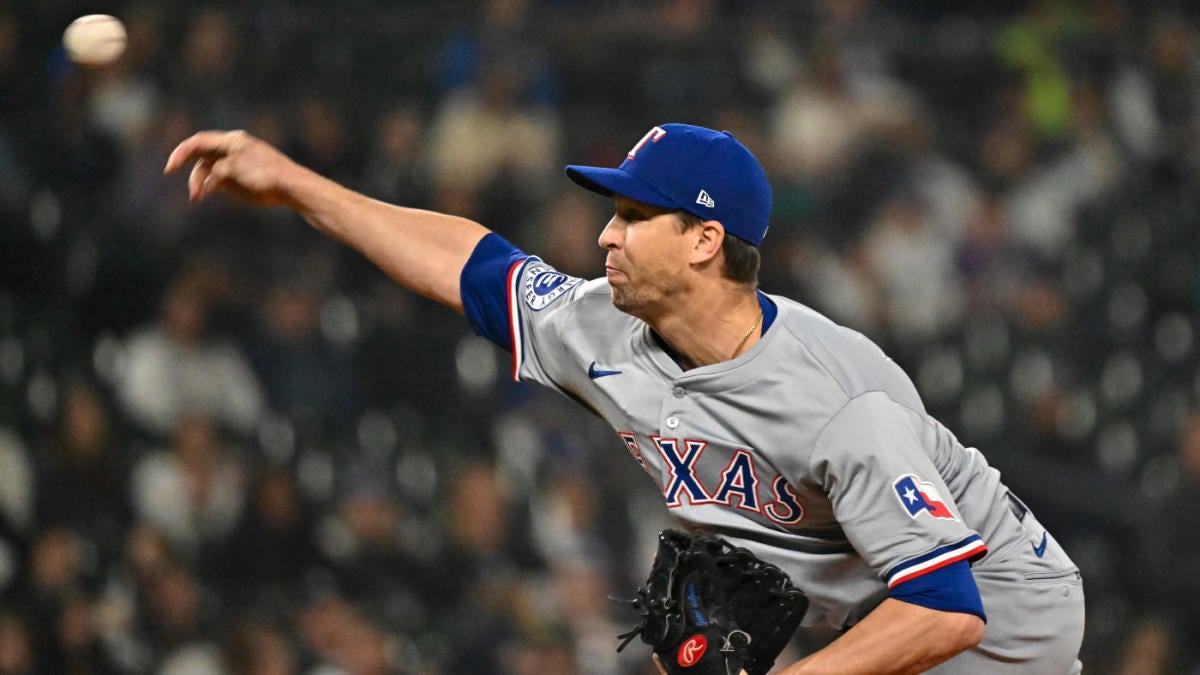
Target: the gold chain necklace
pixel 742 343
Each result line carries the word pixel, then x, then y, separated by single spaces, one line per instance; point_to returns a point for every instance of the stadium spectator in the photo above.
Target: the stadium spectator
pixel 83 474
pixel 1167 556
pixel 180 365
pixel 16 646
pixel 193 491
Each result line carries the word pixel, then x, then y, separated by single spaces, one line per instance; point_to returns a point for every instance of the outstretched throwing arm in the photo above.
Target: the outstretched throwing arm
pixel 423 251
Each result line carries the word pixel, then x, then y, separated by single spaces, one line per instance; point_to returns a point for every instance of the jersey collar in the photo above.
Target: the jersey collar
pixel 747 365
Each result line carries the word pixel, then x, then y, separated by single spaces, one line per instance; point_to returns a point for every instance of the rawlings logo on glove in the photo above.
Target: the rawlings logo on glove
pixel 711 609
pixel 691 650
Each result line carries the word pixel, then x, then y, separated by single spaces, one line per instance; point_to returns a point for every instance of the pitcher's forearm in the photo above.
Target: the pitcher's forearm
pixel 423 251
pixel 896 638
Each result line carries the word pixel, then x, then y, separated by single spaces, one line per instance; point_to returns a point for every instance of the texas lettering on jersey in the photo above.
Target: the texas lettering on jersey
pixel 737 485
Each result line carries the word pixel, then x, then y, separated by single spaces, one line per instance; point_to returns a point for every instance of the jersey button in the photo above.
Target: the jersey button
pixel 672 422
pixel 680 392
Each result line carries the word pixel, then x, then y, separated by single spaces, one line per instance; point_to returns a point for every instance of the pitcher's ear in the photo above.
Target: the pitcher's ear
pixel 710 236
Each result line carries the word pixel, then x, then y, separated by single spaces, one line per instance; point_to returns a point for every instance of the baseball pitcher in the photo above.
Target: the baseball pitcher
pixel 798 451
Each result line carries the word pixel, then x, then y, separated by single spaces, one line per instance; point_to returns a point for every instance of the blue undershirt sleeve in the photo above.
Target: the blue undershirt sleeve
pixel 949 589
pixel 484 287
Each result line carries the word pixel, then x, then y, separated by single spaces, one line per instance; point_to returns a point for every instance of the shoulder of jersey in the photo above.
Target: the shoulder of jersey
pixel 543 286
pixel 596 287
pixel 808 325
pixel 843 353
pixel 596 292
pixel 590 318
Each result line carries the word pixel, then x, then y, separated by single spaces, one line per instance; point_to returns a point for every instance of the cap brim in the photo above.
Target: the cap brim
pixel 609 182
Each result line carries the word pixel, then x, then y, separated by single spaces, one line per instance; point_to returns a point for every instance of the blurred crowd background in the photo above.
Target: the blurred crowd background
pixel 230 445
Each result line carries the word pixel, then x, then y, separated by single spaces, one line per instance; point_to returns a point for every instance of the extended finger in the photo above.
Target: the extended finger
pixel 202 144
pixel 196 180
pixel 217 174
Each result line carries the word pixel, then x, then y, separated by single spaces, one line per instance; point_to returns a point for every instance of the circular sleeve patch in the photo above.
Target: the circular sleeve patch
pixel 543 285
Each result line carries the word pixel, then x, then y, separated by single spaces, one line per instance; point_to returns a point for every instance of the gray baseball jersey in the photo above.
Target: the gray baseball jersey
pixel 813 450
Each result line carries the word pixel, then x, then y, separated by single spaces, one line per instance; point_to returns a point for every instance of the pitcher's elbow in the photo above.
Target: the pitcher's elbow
pixel 970 631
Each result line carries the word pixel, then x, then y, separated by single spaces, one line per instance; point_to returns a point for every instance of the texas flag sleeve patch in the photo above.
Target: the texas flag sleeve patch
pixel 919 497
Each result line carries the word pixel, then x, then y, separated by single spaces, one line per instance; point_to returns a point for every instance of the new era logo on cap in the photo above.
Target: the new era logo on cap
pixel 704 172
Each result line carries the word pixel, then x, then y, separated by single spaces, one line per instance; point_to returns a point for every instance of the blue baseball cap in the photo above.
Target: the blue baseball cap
pixel 704 172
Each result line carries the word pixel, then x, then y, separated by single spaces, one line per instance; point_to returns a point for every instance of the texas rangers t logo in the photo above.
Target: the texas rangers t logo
pixel 653 136
pixel 919 497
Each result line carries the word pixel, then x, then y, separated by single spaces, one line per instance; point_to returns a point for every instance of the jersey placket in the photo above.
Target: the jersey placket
pixel 680 450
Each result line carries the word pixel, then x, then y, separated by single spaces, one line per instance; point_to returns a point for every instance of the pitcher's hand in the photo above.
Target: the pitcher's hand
pixel 237 162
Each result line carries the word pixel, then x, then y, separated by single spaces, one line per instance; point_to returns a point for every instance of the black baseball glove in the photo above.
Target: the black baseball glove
pixel 710 608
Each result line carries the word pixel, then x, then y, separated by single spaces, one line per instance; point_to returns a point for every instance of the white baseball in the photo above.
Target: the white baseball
pixel 95 40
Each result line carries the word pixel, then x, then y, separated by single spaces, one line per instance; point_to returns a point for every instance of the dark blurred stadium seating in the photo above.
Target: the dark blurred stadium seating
pixel 231 446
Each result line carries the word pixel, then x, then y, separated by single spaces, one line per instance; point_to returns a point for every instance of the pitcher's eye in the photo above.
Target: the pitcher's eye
pixel 631 215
